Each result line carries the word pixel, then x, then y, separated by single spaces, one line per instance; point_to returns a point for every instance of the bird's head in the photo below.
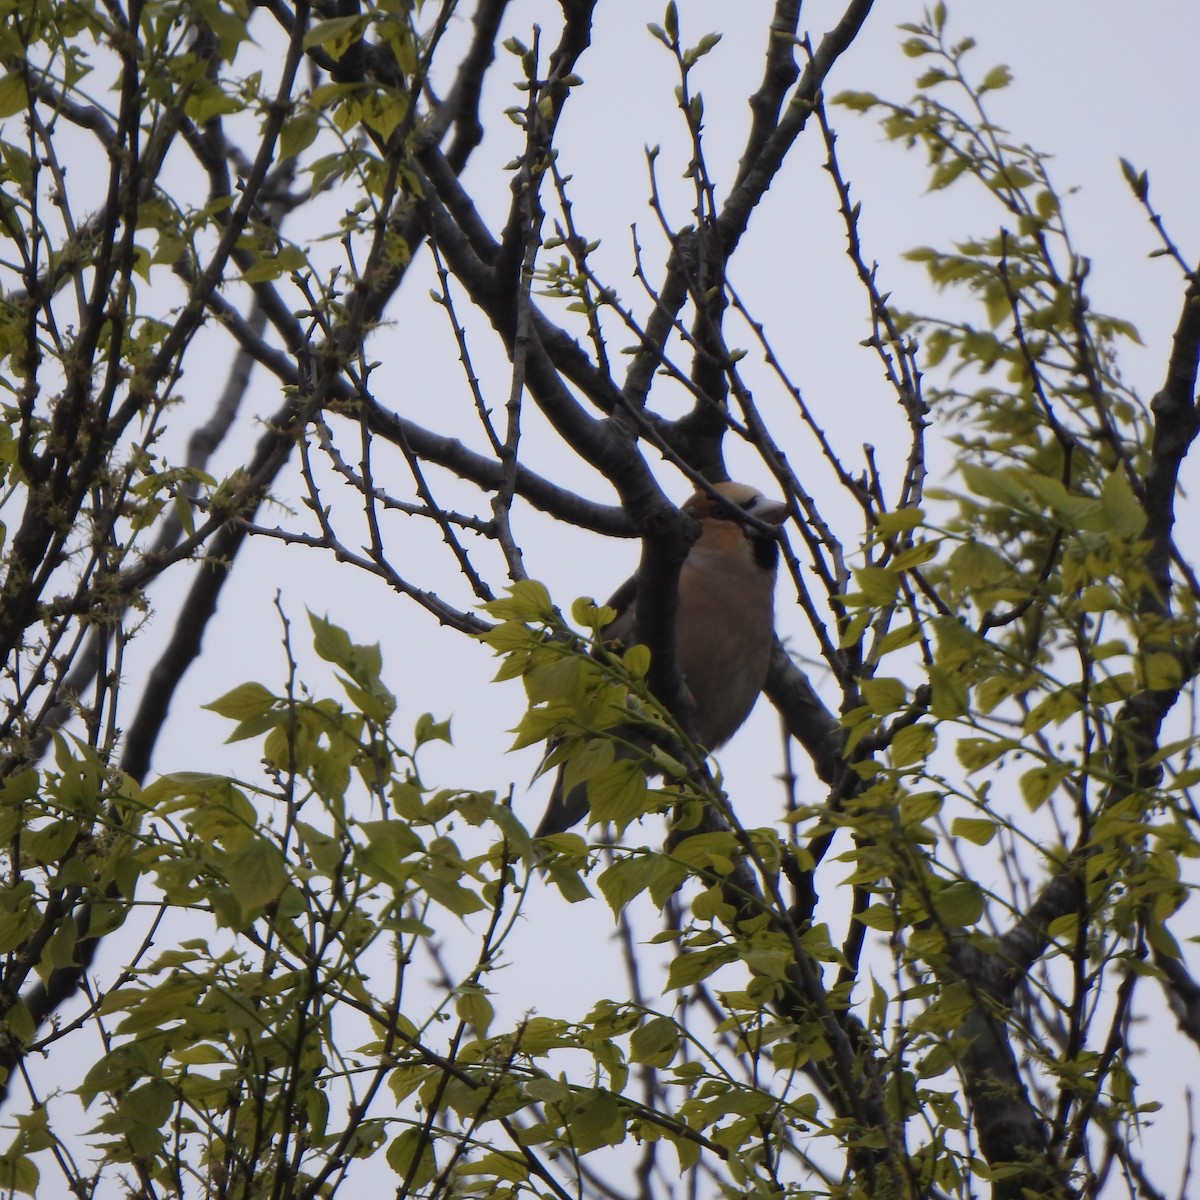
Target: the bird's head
pixel 723 523
pixel 733 501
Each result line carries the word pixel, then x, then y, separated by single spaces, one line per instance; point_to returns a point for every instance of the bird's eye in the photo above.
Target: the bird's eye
pixel 731 511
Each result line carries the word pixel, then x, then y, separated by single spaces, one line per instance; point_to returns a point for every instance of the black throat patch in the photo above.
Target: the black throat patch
pixel 766 551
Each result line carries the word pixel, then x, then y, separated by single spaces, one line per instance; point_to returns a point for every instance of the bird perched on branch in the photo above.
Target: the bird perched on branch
pixel 724 624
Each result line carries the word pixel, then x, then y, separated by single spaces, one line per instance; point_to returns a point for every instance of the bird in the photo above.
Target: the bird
pixel 724 623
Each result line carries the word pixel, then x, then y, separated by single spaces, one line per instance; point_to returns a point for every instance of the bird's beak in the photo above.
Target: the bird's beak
pixel 772 512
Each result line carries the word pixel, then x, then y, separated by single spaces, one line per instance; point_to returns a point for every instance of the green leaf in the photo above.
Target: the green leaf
pixel 1058 707
pixel 337 32
pixel 957 644
pixel 19 1022
pixel 617 793
pixel 48 843
pixel 687 1150
pixel 1098 597
pixel 227 21
pixel 947 171
pixel 36 1133
pixel 586 612
pixel 976 565
pixel 509 1167
pixel 244 701
pixel 13 96
pixel 626 878
pixel 899 520
pixel 960 903
pixel 362 663
pixel 450 894
pixel 938 1061
pixel 297 134
pixel 919 806
pixel 857 101
pixel 595 1120
pixel 878 916
pixel 149 1104
pixel 655 1043
pixel 637 661
pixel 60 950
pixel 992 484
pixel 18 1173
pixel 879 585
pixel 255 874
pixel 1064 929
pixel 950 695
pixel 1161 671
pixel 913 744
pixel 1162 940
pixel 979 830
pixel 429 730
pixel 711 904
pixel 692 966
pixel 854 629
pixel 1039 784
pixel 1123 512
pixel 473 1006
pixel 527 602
pixel 269 267
pixel 705 852
pixel 898 638
pixel 1047 204
pixel 884 694
pixel 412 1157
pixel 208 101
pixel 331 642
pixel 1011 178
pixel 997 77
pixel 1115 688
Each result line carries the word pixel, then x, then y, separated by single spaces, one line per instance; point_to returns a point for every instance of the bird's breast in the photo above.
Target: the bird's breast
pixel 724 630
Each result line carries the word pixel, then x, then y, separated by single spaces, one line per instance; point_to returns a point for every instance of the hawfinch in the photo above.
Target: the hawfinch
pixel 724 625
